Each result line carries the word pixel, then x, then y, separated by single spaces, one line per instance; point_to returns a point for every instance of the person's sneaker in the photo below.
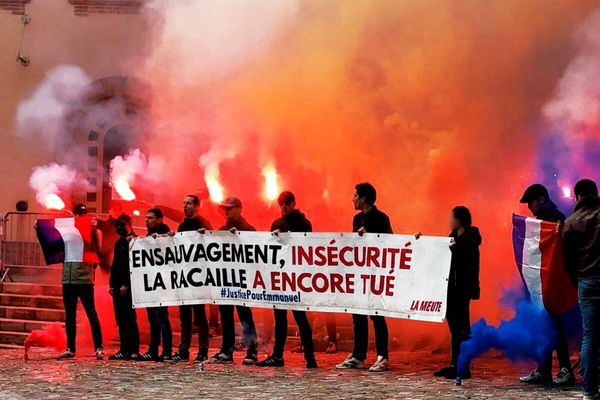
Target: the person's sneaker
pixel 66 355
pixel 382 364
pixel 201 357
pixel 536 378
pixel 590 397
pixel 311 363
pixel 250 359
pixel 351 362
pixel 331 348
pixel 133 356
pixel 221 358
pixel 165 358
pixel 180 357
pixel 99 353
pixel 564 378
pixel 445 371
pixel 147 356
pixel 118 356
pixel 271 362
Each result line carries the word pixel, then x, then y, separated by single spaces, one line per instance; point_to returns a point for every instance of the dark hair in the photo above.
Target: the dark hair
pixel 463 214
pixel 286 197
pixel 195 199
pixel 586 187
pixel 80 209
pixel 156 211
pixel 367 191
pixel 22 206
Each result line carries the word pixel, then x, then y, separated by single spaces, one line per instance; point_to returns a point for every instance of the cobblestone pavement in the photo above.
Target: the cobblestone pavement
pixel 85 378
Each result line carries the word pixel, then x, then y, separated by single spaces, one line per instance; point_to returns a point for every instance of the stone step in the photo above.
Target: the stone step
pixel 32 313
pixel 25 300
pixel 46 274
pixel 9 337
pixel 6 346
pixel 30 289
pixel 20 325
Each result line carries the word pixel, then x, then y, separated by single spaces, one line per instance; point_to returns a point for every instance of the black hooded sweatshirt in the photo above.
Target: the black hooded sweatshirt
pixel 550 213
pixel 292 222
pixel 162 229
pixel 464 267
pixel 239 223
pixel 119 271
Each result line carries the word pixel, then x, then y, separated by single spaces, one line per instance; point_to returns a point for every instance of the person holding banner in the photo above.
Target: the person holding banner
pixel 581 235
pixel 232 207
pixel 158 317
pixel 463 285
pixel 369 219
pixel 542 207
pixel 192 222
pixel 291 220
pixel 120 290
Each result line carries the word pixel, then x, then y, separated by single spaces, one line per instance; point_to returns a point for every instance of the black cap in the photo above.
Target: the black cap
pixel 535 191
pixel 124 219
pixel 80 209
pixel 286 198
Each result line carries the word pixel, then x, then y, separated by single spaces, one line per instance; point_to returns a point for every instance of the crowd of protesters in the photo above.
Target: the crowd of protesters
pixel 580 232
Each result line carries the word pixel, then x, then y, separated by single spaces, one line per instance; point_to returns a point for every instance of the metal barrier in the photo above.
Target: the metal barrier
pixel 19 245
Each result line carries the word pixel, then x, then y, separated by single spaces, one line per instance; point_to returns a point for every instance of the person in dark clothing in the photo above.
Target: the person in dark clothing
pixel 463 284
pixel 542 207
pixel 120 290
pixel 291 220
pixel 192 222
pixel 78 284
pixel 158 317
pixel 370 219
pixel 581 234
pixel 232 208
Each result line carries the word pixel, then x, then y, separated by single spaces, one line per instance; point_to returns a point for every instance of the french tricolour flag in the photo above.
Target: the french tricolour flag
pixel 539 257
pixel 67 240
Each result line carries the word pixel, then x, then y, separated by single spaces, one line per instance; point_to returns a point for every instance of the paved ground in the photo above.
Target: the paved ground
pixel 85 378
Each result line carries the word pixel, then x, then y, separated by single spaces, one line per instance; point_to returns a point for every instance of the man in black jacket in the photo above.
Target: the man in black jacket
pixel 120 290
pixel 542 207
pixel 232 207
pixel 158 317
pixel 369 219
pixel 292 220
pixel 192 222
pixel 463 285
pixel 581 235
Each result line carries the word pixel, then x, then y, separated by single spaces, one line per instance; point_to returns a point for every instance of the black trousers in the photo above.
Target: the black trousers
pixel 185 317
pixel 158 318
pixel 129 334
pixel 562 350
pixel 361 335
pixel 228 327
pixel 281 331
pixel 459 322
pixel 85 292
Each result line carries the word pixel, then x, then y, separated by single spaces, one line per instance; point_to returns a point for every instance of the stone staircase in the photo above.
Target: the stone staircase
pixel 29 302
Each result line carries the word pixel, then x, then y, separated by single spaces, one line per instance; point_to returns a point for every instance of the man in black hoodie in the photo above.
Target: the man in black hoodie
pixel 370 219
pixel 158 317
pixel 292 220
pixel 232 207
pixel 463 285
pixel 581 235
pixel 542 207
pixel 120 290
pixel 192 222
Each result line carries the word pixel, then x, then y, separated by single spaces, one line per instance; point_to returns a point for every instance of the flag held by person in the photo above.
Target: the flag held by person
pixel 539 256
pixel 67 240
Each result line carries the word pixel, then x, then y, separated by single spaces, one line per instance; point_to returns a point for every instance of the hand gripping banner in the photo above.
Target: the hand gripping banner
pixel 376 274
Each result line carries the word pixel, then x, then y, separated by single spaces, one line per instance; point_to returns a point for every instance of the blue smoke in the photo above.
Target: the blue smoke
pixel 531 334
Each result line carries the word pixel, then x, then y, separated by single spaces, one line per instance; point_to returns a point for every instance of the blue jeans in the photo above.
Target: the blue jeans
pixel 589 300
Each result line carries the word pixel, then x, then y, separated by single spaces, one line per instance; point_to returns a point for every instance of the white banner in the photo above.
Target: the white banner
pixel 375 274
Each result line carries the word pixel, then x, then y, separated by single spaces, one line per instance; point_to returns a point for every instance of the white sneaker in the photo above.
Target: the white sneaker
pixel 382 364
pixel 351 363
